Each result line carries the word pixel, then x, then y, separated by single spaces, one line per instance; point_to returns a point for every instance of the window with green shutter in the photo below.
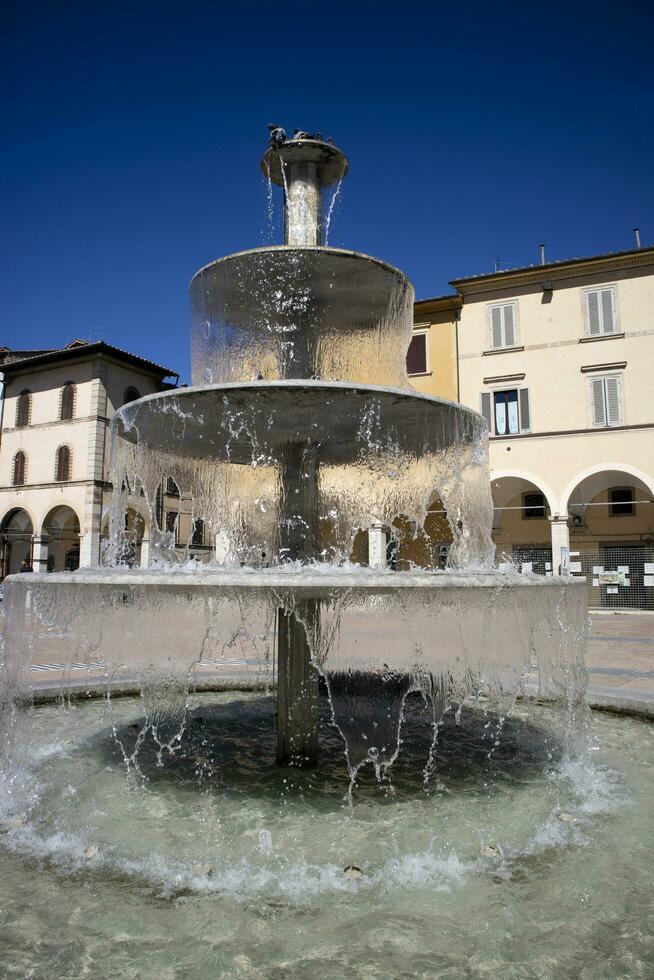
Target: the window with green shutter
pixel 503 331
pixel 600 311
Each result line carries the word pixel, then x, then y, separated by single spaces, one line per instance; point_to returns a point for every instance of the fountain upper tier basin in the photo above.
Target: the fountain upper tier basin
pixel 285 312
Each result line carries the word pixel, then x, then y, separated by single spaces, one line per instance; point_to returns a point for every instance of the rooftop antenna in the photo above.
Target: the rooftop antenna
pixel 497 265
pixel 637 234
pixel 542 253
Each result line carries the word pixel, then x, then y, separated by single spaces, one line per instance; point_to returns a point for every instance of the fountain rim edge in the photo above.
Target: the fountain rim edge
pixel 299 581
pixel 326 249
pixel 298 383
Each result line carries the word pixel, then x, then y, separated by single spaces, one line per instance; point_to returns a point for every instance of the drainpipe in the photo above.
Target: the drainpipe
pixel 457 318
pixel 3 543
pixel 2 401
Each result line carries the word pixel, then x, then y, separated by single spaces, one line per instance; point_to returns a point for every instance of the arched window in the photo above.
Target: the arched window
pixel 20 468
pixel 67 401
pixel 62 464
pixel 23 409
pixel 131 394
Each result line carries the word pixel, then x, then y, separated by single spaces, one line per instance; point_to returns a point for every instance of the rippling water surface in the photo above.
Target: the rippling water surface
pixel 504 860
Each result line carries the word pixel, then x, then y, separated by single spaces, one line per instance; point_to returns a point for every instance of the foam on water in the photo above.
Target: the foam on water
pixel 36 826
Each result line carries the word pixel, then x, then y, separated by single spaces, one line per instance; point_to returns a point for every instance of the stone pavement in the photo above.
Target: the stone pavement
pixel 620 662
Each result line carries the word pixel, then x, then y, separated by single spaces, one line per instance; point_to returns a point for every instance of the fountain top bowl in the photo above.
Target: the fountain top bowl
pixel 331 164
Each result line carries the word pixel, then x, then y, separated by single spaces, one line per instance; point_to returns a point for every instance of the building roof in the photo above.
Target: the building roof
pixel 7 355
pixel 647 250
pixel 446 300
pixel 15 361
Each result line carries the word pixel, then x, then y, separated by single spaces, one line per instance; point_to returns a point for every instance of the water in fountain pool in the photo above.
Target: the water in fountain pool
pixel 516 861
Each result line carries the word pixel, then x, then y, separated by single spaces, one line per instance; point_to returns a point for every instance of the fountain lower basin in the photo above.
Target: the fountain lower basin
pixel 218 863
pixel 374 637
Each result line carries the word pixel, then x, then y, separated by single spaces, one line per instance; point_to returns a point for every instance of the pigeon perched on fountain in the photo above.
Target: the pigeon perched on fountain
pixel 277 134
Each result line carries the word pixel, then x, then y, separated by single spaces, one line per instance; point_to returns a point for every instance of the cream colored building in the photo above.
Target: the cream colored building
pixel 560 360
pixel 56 407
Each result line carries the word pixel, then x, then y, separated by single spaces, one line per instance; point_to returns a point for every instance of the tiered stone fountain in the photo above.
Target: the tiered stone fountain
pixel 299 435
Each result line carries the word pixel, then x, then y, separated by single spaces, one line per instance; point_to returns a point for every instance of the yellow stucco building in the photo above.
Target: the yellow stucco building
pixel 559 358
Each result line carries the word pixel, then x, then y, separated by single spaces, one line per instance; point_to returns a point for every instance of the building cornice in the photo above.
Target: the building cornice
pixel 596 430
pixel 539 275
pixel 83 353
pixel 56 485
pixel 438 304
pixel 61 422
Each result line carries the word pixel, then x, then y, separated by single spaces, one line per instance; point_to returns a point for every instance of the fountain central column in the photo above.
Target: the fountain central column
pixel 303 168
pixel 297 678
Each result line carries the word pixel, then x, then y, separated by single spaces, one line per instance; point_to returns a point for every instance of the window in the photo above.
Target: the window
pixel 502 325
pixel 606 401
pixel 197 537
pixel 506 412
pixel 67 402
pixel 533 506
pixel 171 487
pixel 621 502
pixel 171 523
pixel 19 470
pixel 130 395
pixel 416 357
pixel 23 409
pixel 600 311
pixel 62 464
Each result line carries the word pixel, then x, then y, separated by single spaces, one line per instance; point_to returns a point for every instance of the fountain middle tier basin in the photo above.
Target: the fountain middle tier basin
pixel 328 458
pixel 285 312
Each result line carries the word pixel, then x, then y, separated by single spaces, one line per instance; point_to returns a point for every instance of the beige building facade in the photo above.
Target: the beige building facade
pixel 559 358
pixel 54 490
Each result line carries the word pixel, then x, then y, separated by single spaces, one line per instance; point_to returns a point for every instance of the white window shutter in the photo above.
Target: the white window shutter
pixel 486 409
pixel 496 323
pixel 509 328
pixel 525 410
pixel 597 398
pixel 613 413
pixel 594 325
pixel 608 325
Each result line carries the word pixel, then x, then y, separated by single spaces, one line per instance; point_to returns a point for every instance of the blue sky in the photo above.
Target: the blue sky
pixel 475 131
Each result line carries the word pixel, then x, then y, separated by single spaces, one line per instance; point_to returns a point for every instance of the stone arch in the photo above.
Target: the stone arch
pixel 588 502
pixel 521 525
pixel 632 471
pixel 60 536
pixel 16 540
pixel 535 481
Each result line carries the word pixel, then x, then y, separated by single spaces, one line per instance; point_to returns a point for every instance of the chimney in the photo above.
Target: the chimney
pixel 637 234
pixel 542 254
